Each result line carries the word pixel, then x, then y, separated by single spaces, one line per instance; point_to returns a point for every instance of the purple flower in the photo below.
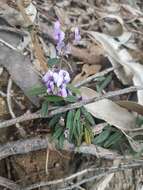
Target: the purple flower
pixel 63 92
pixel 48 76
pixel 59 35
pixel 65 75
pixel 56 82
pixel 77 36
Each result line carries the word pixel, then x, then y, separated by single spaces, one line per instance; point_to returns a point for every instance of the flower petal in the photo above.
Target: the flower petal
pixel 60 81
pixel 77 36
pixel 63 92
pixel 47 76
pixel 55 77
pixel 65 75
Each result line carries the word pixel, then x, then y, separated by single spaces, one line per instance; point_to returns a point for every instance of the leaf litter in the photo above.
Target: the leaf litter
pixel 111 36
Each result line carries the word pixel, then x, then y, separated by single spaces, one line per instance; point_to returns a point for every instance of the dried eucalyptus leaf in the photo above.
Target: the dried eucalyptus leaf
pixel 131 106
pixel 21 70
pixel 109 111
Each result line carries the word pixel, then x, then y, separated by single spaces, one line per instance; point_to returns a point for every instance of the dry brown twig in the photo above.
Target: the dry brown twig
pixel 8 184
pixel 101 173
pixel 9 87
pixel 63 109
pixel 37 143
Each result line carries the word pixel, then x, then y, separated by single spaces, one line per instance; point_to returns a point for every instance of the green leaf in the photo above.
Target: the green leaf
pixel 79 133
pixel 77 115
pixel 57 133
pixel 113 139
pixel 101 137
pixel 87 136
pixel 73 131
pixel 44 109
pixel 37 90
pixel 88 116
pixel 104 83
pixel 69 120
pixel 53 61
pixel 54 120
pixel 71 99
pixel 100 79
pixel 61 141
pixel 139 121
pixel 73 89
pixel 53 98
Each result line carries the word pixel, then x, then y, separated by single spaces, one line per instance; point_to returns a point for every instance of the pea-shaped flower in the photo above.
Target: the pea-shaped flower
pixel 56 82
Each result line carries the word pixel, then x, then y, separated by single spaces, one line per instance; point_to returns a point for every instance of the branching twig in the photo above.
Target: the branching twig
pixel 105 172
pixel 93 77
pixel 4 182
pixel 20 128
pixel 63 109
pixel 100 172
pixel 37 143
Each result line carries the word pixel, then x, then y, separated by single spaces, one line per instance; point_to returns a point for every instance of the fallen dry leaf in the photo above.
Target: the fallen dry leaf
pixel 87 70
pixel 109 111
pixel 131 71
pixel 92 55
pixel 131 106
pixel 21 70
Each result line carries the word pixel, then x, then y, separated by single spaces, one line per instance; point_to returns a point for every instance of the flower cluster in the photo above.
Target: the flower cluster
pixel 56 82
pixel 59 36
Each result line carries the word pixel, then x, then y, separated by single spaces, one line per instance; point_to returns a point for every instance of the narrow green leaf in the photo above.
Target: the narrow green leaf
pixel 53 61
pixel 77 115
pixel 44 109
pixel 53 98
pixel 73 131
pixel 101 137
pixel 37 90
pixel 139 120
pixel 105 83
pixel 54 120
pixel 113 139
pixel 57 133
pixel 100 79
pixel 61 141
pixel 69 120
pixel 71 99
pixel 73 89
pixel 88 116
pixel 79 133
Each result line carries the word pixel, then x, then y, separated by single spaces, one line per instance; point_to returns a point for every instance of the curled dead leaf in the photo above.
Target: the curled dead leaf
pixel 92 55
pixel 87 70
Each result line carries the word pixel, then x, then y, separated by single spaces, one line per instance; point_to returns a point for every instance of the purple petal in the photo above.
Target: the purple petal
pixel 56 30
pixel 57 25
pixel 63 92
pixel 60 81
pixel 47 76
pixel 59 35
pixel 51 85
pixel 55 77
pixel 65 76
pixel 60 47
pixel 77 36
